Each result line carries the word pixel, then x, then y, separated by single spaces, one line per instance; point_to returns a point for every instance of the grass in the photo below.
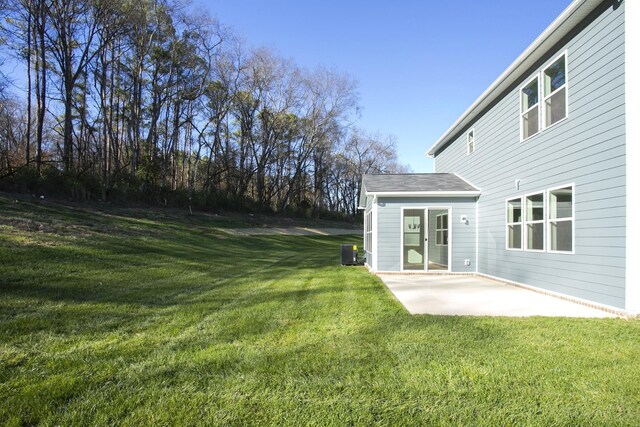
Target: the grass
pixel 118 317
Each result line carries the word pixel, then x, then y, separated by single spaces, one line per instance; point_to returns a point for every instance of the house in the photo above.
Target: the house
pixel 532 184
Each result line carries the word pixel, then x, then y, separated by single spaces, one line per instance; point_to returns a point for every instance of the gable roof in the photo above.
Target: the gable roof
pixel 415 184
pixel 577 11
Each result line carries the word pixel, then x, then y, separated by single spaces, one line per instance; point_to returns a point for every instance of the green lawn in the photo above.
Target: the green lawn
pixel 118 317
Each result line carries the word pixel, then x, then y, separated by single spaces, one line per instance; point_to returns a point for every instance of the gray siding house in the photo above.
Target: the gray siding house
pixel 531 182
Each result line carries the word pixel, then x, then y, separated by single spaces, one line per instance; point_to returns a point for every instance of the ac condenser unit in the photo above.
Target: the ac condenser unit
pixel 349 254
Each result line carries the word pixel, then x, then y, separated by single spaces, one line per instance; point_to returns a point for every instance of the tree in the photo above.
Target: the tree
pixel 12 136
pixel 74 43
pixel 154 100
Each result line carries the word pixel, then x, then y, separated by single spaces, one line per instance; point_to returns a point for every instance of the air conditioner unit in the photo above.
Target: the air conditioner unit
pixel 349 254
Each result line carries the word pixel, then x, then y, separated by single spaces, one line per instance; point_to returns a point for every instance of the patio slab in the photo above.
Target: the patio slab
pixel 476 296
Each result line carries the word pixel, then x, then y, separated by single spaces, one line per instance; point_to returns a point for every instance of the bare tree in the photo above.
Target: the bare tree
pixel 154 99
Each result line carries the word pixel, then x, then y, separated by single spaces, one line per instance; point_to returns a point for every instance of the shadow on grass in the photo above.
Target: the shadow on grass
pixel 142 274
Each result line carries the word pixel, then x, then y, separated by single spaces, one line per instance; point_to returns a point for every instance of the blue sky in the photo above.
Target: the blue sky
pixel 419 64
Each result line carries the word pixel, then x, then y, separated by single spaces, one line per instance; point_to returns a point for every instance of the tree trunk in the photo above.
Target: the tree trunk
pixel 106 122
pixel 41 91
pixel 30 27
pixel 67 156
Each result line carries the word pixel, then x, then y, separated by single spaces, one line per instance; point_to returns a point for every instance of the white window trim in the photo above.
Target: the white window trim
pixel 541 98
pixel 565 86
pixel 522 113
pixel 506 210
pixel 471 131
pixel 364 231
pixel 442 229
pixel 368 233
pixel 572 219
pixel 546 221
pixel 525 222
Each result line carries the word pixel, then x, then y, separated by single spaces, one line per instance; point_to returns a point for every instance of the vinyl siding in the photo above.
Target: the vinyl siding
pixel 586 149
pixel 461 236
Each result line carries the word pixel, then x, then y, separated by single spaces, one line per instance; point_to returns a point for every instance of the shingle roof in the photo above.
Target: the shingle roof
pixel 415 182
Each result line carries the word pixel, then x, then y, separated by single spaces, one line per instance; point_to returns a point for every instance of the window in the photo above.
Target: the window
pixel 442 229
pixel 529 109
pixel 470 142
pixel 514 223
pixel 561 219
pixel 555 91
pixel 534 222
pixel 368 232
pixel 551 86
pixel 543 221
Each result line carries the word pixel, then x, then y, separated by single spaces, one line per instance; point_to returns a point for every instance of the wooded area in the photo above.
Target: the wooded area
pixel 155 101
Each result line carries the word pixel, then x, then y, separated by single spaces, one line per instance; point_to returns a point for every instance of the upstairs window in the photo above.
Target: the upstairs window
pixel 555 91
pixel 470 142
pixel 561 219
pixel 529 109
pixel 534 222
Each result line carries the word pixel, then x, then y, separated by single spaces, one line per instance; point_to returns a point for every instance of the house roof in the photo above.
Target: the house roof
pixel 415 184
pixel 559 28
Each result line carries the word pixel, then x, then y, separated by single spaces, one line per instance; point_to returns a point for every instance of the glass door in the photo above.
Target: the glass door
pixel 438 239
pixel 413 247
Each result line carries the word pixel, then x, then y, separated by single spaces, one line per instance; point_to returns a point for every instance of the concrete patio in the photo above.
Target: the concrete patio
pixel 476 296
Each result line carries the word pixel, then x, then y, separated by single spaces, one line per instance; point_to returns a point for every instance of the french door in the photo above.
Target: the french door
pixel 425 239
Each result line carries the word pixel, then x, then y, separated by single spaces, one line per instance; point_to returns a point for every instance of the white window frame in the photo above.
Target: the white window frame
pixel 526 222
pixel 543 99
pixel 441 230
pixel 572 219
pixel 368 233
pixel 542 110
pixel 471 143
pixel 506 210
pixel 522 113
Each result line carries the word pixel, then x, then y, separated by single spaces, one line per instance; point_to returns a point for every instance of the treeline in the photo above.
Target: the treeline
pixel 153 100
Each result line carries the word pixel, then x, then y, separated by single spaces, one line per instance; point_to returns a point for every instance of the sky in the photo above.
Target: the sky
pixel 419 64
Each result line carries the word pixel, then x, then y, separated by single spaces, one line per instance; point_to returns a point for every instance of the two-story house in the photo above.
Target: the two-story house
pixel 534 182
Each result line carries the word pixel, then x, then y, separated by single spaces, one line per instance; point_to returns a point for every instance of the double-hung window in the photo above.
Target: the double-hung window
pixel 554 86
pixel 368 232
pixel 543 221
pixel 534 222
pixel 561 219
pixel 514 223
pixel 471 141
pixel 543 99
pixel 442 230
pixel 529 109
